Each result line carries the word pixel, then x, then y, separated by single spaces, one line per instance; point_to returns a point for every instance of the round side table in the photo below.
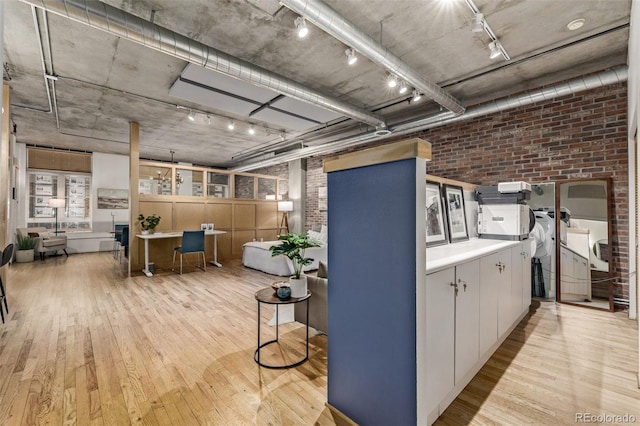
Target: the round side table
pixel 267 296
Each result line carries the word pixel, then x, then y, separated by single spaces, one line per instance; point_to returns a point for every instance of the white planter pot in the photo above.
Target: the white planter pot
pixel 298 286
pixel 24 256
pixel 145 232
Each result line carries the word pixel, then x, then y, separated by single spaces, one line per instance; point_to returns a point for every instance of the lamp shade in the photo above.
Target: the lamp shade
pixel 285 206
pixel 56 202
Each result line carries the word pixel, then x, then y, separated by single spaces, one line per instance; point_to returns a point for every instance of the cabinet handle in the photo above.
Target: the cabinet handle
pixel 501 266
pixel 455 286
pixel 464 284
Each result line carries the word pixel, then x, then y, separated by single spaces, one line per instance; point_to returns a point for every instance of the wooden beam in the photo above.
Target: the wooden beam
pixel 134 177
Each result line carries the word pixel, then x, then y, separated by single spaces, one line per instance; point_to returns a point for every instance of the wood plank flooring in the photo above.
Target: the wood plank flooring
pixel 85 345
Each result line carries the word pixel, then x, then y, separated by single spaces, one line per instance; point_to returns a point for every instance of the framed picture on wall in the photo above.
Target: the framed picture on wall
pixel 436 226
pixel 456 217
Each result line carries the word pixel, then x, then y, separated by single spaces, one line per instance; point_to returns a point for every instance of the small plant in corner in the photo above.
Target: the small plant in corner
pixel 293 246
pixel 26 243
pixel 148 223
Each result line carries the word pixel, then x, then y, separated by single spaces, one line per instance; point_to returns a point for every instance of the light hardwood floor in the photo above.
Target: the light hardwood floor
pixel 84 345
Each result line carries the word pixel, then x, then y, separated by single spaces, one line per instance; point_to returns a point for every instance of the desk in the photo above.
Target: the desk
pixel 160 235
pixel 266 295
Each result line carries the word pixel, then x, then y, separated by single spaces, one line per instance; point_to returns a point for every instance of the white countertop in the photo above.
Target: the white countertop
pixel 445 256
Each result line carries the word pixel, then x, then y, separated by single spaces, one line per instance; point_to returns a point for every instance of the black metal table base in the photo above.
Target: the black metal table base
pixel 256 354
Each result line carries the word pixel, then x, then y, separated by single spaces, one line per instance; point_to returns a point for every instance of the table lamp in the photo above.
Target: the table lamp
pixel 56 203
pixel 285 207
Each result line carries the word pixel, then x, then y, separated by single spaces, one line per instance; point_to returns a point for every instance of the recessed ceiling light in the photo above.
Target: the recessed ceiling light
pixel 392 81
pixel 575 24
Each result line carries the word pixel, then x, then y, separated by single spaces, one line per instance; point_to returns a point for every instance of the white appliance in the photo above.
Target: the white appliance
pixel 503 221
pixel 513 187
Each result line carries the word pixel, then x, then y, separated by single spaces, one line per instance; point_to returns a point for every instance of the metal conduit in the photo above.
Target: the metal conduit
pixel 333 23
pixel 122 24
pixel 605 78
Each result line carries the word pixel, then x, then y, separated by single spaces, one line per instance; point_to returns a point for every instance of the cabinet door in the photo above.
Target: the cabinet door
pixel 517 271
pixel 566 271
pixel 526 277
pixel 467 340
pixel 505 300
pixel 440 307
pixel 489 278
pixel 582 273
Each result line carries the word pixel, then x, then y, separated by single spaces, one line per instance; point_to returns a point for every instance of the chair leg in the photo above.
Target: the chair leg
pixel 173 265
pixel 204 262
pixel 65 252
pixel 3 297
pixel 180 263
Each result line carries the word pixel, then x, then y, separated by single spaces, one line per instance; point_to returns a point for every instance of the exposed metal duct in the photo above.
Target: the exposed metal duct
pixel 333 23
pixel 104 17
pixel 594 81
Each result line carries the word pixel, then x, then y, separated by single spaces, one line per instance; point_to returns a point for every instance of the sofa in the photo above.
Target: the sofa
pixel 46 241
pixel 318 286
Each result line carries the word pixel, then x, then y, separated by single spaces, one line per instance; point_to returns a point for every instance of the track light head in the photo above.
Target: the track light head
pixel 478 24
pixel 392 81
pixel 192 116
pixel 301 26
pixel 252 130
pixel 494 50
pixel 416 96
pixel 351 56
pixel 208 119
pixel 403 88
pixel 231 125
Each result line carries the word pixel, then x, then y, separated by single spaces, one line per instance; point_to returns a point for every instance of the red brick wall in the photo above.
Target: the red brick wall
pixel 572 137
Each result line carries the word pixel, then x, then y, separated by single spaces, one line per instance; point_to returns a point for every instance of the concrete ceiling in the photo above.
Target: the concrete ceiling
pixel 104 82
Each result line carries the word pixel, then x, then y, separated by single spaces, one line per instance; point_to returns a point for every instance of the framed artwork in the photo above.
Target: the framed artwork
pixel 41 201
pixel 112 198
pixel 44 189
pixel 456 217
pixel 44 212
pixel 436 226
pixel 44 179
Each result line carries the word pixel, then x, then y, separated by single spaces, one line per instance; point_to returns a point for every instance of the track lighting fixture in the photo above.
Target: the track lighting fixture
pixel 192 116
pixel 416 96
pixel 494 49
pixel 283 136
pixel 351 56
pixel 392 81
pixel 478 24
pixel 231 125
pixel 208 119
pixel 301 25
pixel 403 88
pixel 252 130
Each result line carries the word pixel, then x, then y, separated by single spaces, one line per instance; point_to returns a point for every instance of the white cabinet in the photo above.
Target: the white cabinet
pixel 520 279
pixel 575 273
pixel 492 281
pixel 440 336
pixel 452 328
pixel 467 346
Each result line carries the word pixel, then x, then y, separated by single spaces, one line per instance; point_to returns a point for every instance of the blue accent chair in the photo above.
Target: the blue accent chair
pixel 192 242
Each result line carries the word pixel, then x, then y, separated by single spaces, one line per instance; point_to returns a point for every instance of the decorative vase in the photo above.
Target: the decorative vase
pixel 146 231
pixel 298 286
pixel 24 256
pixel 283 292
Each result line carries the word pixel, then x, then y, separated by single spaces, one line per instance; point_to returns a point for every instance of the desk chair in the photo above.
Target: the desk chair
pixel 124 241
pixel 117 235
pixel 192 242
pixel 7 254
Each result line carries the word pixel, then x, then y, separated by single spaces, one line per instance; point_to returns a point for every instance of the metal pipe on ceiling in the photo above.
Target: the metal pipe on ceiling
pixel 333 23
pixel 590 82
pixel 114 21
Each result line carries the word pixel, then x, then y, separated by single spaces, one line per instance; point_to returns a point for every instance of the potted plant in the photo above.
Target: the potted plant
pixel 149 223
pixel 25 249
pixel 293 246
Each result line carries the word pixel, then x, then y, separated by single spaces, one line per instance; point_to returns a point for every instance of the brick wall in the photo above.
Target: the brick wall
pixel 572 137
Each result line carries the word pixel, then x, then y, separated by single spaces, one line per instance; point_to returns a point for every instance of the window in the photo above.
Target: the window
pixel 74 191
